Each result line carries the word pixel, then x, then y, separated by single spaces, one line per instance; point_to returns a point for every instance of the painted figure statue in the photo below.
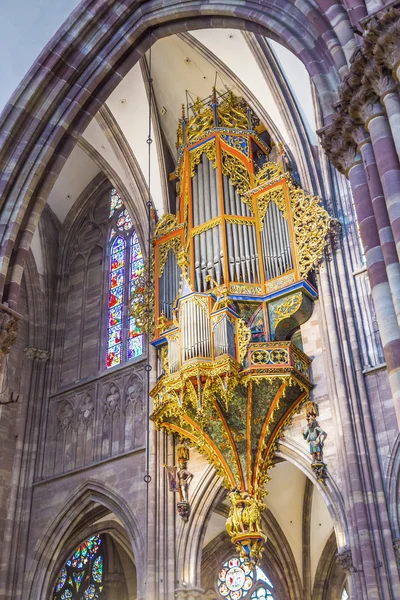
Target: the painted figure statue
pixel 179 480
pixel 316 437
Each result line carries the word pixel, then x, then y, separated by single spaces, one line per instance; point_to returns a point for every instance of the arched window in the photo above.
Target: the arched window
pixel 124 340
pixel 236 580
pixel 81 578
pixel 345 595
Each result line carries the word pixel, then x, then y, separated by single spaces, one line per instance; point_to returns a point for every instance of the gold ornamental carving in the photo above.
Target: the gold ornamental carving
pixel 311 225
pixel 277 195
pixel 165 225
pixel 236 171
pixel 173 244
pixel 286 308
pixel 195 155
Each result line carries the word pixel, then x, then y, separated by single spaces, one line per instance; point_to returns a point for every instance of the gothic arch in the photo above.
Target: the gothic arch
pixel 52 549
pixel 190 536
pixel 208 494
pixel 333 499
pixel 34 155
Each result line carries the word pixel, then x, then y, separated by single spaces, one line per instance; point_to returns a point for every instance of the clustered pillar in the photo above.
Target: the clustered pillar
pixel 363 142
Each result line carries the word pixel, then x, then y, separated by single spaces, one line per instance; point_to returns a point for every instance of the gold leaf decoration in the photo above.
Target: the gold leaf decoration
pixel 166 224
pixel 233 113
pixel 277 195
pixel 195 155
pixel 311 225
pixel 268 173
pixel 174 244
pixel 244 337
pixel 236 171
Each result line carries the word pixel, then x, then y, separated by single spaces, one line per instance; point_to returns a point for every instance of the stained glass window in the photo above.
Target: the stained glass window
pixel 236 580
pixel 345 595
pixel 124 339
pixel 81 578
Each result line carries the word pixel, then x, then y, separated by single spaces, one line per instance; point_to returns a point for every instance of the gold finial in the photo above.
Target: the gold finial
pixel 214 94
pixel 198 105
pixel 183 111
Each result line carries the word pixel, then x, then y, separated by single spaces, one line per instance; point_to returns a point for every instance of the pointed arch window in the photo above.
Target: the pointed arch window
pixel 81 578
pixel 124 340
pixel 345 595
pixel 236 580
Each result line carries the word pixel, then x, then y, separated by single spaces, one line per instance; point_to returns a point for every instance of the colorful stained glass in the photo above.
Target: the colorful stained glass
pixel 115 315
pixel 262 594
pixel 124 339
pixel 115 201
pixel 90 593
pixel 78 579
pixel 82 576
pixel 61 580
pixel 124 221
pixel 97 571
pixel 114 356
pixel 117 278
pixel 236 580
pixel 135 347
pixel 136 251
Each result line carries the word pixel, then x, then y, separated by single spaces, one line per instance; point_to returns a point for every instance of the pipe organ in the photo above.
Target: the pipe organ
pixel 231 289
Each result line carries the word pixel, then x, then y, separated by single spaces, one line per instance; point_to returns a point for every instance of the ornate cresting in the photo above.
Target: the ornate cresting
pixel 231 290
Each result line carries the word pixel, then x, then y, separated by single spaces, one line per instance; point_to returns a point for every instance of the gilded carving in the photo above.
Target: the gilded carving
pixel 277 195
pixel 285 308
pixel 195 155
pixel 173 244
pixel 236 171
pixel 311 225
pixel 166 224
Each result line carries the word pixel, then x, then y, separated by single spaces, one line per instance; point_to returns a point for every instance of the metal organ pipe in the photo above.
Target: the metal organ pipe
pixel 276 245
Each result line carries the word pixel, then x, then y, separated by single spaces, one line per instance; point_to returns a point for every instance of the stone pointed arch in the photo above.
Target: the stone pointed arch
pixel 190 536
pixel 50 550
pixel 39 135
pixel 294 453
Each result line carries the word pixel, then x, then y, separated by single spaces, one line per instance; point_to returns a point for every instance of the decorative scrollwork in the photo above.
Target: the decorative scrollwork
pixel 268 173
pixel 285 308
pixel 206 226
pixel 244 337
pixel 236 171
pixel 233 113
pixel 277 195
pixel 202 120
pixel 311 225
pixel 173 244
pixel 195 155
pixel 240 143
pixel 166 224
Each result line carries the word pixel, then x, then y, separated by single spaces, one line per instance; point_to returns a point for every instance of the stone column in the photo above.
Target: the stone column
pixel 381 293
pixel 17 526
pixel 361 137
pixel 9 320
pixel 189 594
pixel 114 586
pixel 387 163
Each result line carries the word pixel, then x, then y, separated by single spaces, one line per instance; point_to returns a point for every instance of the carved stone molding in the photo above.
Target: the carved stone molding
pixel 9 320
pixel 396 546
pixel 37 354
pixel 344 559
pixel 189 594
pixel 372 75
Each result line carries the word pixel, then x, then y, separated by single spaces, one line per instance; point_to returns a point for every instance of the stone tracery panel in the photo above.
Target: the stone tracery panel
pixel 94 422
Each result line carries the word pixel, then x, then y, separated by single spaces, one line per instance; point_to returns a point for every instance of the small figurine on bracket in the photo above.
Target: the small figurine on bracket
pixel 179 481
pixel 316 438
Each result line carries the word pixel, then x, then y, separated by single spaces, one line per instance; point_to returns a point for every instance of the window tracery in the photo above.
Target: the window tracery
pixel 81 578
pixel 124 340
pixel 236 580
